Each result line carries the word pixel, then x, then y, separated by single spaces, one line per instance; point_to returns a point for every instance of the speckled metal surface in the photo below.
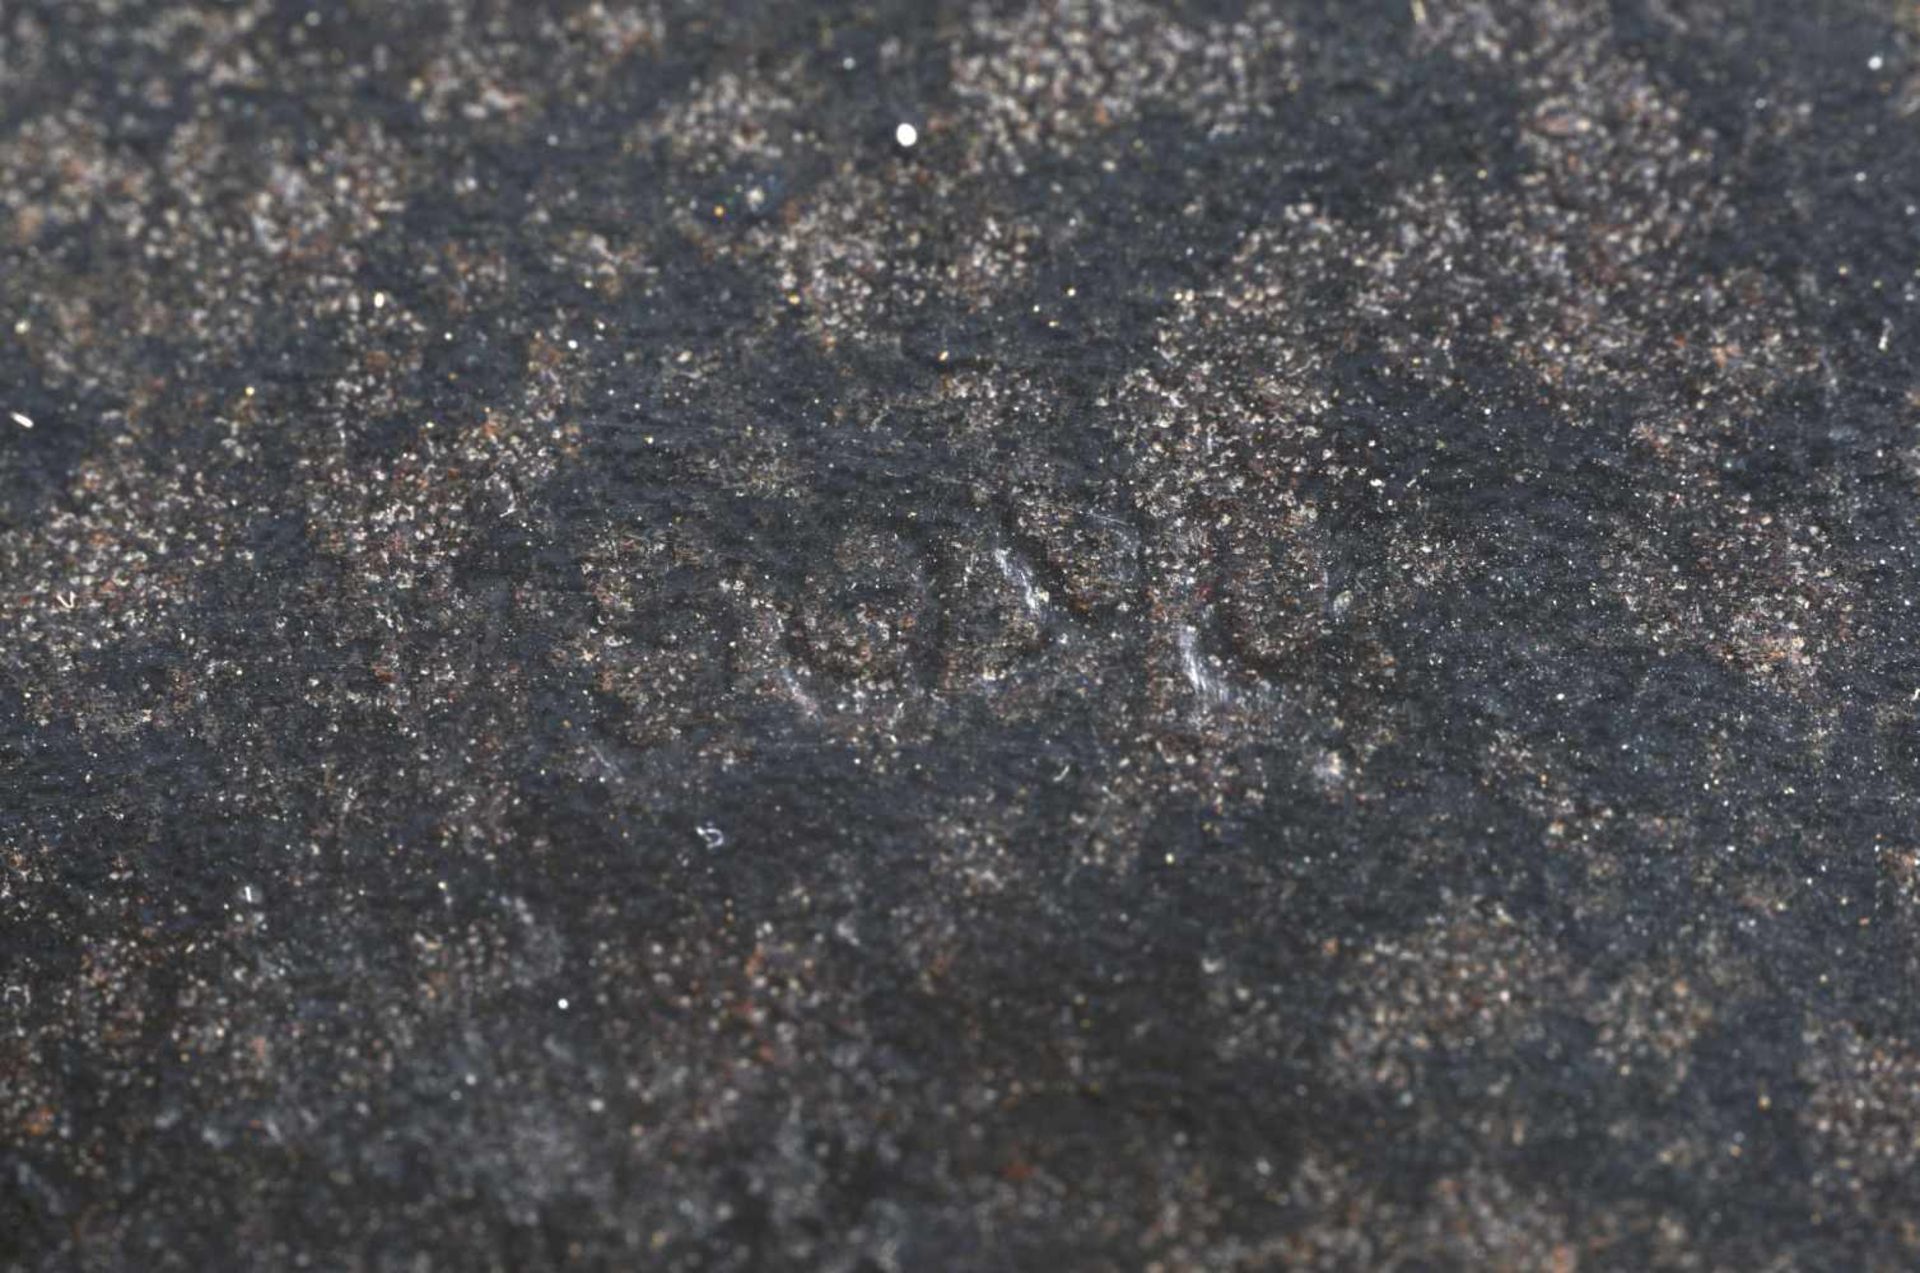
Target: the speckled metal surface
pixel 893 636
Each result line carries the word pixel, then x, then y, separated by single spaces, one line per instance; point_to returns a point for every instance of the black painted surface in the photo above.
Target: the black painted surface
pixel 1289 641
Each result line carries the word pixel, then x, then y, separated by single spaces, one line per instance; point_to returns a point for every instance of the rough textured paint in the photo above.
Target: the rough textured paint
pixel 903 636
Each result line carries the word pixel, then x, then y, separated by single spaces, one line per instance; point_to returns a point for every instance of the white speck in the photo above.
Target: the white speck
pixel 20 420
pixel 713 837
pixel 1875 62
pixel 379 300
pixel 906 135
pixel 563 1005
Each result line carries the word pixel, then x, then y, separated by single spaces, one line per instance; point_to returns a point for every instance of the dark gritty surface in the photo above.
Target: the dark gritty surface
pixel 1289 641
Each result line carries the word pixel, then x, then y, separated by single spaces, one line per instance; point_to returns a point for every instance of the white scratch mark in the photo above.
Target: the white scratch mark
pixel 599 753
pixel 1206 686
pixel 1033 598
pixel 790 682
